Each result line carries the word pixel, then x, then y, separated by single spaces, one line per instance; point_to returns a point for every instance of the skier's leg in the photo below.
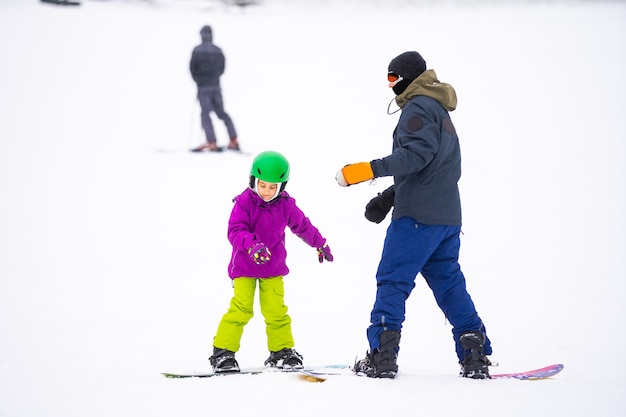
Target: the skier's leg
pixel 217 103
pixel 206 107
pixel 230 329
pixel 443 275
pixel 274 310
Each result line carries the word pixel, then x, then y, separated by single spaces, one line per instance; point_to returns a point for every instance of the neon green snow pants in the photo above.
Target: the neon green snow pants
pixel 273 308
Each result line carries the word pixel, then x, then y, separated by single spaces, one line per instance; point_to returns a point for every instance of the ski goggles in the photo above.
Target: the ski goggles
pixel 392 77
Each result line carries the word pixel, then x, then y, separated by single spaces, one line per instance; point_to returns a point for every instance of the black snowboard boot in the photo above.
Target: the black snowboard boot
pixel 285 359
pixel 475 364
pixel 381 363
pixel 223 360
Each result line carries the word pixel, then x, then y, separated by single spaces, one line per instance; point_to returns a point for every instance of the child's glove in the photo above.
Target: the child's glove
pixel 259 253
pixel 378 207
pixel 354 174
pixel 324 253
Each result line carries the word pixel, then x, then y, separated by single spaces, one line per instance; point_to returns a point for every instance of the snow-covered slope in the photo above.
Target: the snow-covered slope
pixel 113 255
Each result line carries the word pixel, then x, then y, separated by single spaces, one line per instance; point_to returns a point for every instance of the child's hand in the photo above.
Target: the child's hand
pixel 259 253
pixel 324 253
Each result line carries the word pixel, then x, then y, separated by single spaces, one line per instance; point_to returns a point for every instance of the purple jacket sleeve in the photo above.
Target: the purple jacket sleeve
pixel 239 234
pixel 302 227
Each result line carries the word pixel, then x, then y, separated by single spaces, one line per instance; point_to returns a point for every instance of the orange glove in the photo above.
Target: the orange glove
pixel 354 174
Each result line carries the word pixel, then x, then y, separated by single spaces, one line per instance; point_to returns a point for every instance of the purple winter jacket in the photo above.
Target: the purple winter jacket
pixel 253 220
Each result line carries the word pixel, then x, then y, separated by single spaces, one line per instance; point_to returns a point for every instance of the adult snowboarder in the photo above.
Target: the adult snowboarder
pixel 423 236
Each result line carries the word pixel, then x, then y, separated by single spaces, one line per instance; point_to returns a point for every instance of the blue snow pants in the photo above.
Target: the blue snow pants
pixel 410 248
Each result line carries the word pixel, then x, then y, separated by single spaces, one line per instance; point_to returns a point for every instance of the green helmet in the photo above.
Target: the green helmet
pixel 270 166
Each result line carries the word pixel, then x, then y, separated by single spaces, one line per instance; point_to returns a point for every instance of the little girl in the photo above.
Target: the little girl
pixel 256 230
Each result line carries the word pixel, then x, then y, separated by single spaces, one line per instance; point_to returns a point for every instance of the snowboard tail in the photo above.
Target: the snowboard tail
pixel 212 374
pixel 535 374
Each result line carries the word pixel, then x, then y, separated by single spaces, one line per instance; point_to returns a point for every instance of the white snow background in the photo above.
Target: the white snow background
pixel 113 248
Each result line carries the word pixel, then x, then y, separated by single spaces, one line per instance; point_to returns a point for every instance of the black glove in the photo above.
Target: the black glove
pixel 378 207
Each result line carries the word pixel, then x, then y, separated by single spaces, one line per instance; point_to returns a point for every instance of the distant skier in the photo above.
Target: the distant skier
pixel 206 67
pixel 423 236
pixel 256 231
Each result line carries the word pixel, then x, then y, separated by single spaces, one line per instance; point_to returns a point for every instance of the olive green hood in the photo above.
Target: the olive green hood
pixel 427 84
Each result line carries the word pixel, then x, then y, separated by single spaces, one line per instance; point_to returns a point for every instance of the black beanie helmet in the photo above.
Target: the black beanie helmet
pixel 409 66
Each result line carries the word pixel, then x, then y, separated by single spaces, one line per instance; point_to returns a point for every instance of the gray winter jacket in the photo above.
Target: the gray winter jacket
pixel 426 157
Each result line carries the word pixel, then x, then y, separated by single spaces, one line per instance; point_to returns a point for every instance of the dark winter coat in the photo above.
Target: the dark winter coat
pixel 207 63
pixel 426 157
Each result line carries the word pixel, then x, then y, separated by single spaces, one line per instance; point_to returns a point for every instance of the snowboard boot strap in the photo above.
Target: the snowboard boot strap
pixel 475 364
pixel 384 359
pixel 474 342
